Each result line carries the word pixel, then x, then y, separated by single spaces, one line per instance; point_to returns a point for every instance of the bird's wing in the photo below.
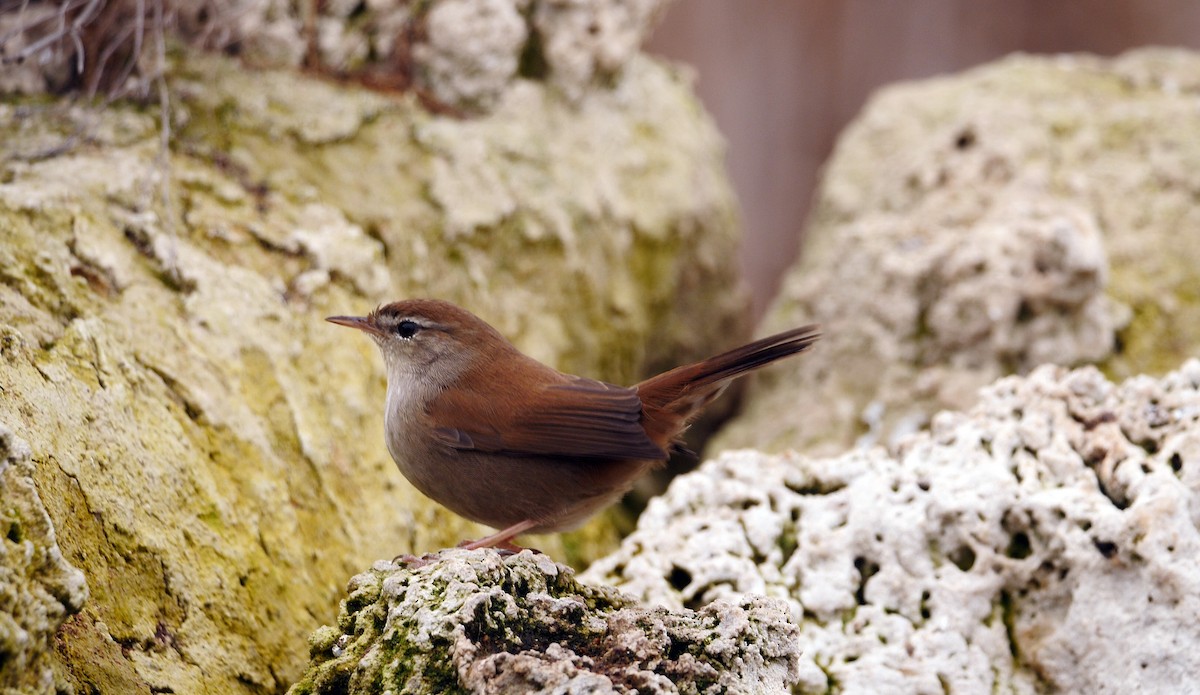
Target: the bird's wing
pixel 570 417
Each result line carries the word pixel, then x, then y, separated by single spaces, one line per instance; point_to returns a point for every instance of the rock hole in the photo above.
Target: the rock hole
pixel 788 545
pixel 963 557
pixel 866 569
pixel 1025 312
pixel 679 578
pixel 1106 548
pixel 676 649
pixel 533 63
pixel 1019 547
pixel 694 603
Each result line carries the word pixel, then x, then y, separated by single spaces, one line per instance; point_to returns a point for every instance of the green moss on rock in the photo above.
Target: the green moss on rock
pixel 479 621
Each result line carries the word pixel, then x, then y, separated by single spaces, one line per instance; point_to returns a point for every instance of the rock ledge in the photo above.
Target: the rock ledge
pixel 478 621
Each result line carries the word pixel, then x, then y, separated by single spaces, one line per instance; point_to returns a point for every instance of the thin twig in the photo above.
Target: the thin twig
pixel 112 46
pixel 91 8
pixel 19 26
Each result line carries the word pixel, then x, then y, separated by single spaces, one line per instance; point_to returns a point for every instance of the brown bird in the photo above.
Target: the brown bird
pixel 503 440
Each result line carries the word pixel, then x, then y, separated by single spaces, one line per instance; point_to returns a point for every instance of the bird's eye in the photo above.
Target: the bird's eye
pixel 407 329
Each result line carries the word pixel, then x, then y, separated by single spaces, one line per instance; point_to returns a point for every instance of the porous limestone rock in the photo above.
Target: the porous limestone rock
pixel 588 41
pixel 1044 541
pixel 471 50
pixel 1038 209
pixel 208 450
pixel 480 622
pixel 466 54
pixel 38 588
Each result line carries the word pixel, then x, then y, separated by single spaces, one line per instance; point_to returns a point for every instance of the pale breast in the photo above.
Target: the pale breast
pixel 403 411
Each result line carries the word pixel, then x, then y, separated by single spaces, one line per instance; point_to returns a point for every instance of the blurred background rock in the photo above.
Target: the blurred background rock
pixel 783 78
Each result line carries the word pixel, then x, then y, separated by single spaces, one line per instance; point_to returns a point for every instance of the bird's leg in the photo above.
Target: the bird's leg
pixel 502 539
pixel 412 562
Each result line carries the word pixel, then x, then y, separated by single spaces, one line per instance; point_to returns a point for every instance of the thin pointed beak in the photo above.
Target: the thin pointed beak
pixel 362 323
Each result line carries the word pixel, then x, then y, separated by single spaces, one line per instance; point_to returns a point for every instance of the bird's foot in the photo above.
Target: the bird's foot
pixel 505 548
pixel 502 540
pixel 412 561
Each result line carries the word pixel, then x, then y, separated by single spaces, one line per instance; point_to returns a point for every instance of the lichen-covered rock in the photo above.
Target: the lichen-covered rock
pixel 38 588
pixel 481 622
pixel 209 450
pixel 1034 210
pixel 1044 541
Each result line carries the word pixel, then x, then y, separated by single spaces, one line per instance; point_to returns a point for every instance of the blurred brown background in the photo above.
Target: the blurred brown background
pixel 782 77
